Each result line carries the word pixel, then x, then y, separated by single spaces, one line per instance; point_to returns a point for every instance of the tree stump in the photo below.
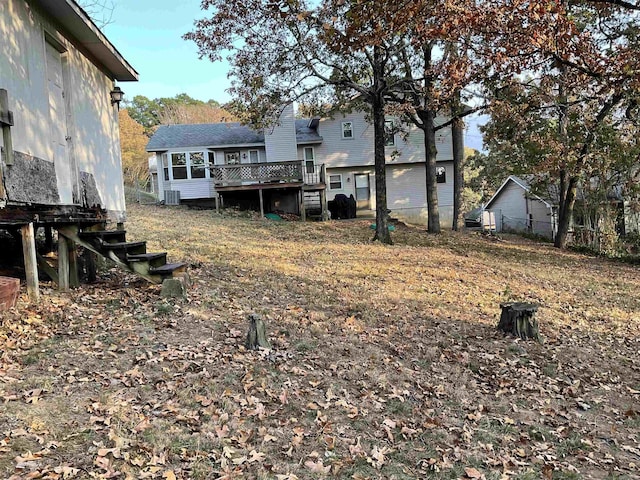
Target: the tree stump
pixel 257 334
pixel 518 318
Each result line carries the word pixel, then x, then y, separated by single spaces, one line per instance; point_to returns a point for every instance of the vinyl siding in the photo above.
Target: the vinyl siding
pixel 336 151
pixel 280 141
pixel 510 208
pixel 192 189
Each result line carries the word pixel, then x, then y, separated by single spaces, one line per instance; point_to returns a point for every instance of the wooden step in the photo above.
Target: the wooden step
pixel 154 259
pixel 122 249
pixel 168 269
pixel 107 236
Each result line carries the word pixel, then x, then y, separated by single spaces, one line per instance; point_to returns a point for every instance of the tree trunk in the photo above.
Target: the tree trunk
pixel 457 138
pixel 519 319
pixel 257 334
pixel 433 223
pixel 427 116
pixel 565 213
pixel 377 107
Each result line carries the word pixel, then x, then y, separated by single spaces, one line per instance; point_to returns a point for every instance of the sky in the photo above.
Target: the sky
pixel 148 33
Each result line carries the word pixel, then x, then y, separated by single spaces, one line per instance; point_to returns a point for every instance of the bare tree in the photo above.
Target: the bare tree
pixel 100 11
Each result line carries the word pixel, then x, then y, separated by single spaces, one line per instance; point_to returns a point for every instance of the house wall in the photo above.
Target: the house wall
pixel 280 140
pixel 336 151
pixel 197 188
pixel 91 129
pixel 406 191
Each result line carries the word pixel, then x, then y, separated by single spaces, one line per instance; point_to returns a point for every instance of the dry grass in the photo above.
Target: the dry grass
pixel 386 362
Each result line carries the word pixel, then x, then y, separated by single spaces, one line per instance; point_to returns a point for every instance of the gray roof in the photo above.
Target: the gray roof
pixel 218 135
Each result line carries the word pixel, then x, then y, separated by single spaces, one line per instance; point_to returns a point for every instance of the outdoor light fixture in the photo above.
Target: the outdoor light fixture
pixel 116 96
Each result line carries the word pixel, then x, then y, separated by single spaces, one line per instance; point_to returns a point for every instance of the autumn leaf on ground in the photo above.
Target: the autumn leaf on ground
pixel 317 467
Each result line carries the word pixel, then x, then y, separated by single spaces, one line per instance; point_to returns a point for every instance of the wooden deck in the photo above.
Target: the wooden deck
pixel 256 176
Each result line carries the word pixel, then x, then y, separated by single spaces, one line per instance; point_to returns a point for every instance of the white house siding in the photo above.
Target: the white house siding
pixel 542 221
pixel 193 189
pixel 348 183
pixel 336 151
pixel 407 193
pixel 92 126
pixel 510 209
pixel 280 141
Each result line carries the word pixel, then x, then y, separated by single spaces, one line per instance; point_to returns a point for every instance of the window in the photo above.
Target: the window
pixel 253 156
pixel 441 175
pixel 212 158
pixel 179 165
pixel 309 160
pixel 389 134
pixel 335 182
pixel 197 164
pixel 165 166
pixel 231 158
pixel 347 130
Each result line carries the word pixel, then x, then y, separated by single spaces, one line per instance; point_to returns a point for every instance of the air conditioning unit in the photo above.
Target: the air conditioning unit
pixel 172 197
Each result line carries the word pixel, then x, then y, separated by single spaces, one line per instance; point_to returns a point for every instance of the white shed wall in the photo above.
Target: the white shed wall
pixel 510 208
pixel 92 122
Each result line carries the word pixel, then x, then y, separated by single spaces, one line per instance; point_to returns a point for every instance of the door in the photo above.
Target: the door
pixel 58 125
pixel 362 190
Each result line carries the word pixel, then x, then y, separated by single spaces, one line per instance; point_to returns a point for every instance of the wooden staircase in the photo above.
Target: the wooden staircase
pixel 130 256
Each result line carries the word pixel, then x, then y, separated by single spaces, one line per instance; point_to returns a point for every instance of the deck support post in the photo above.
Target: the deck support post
pixel 261 203
pixel 303 210
pixel 63 262
pixel 30 261
pixel 74 279
pixel 48 238
pixel 323 205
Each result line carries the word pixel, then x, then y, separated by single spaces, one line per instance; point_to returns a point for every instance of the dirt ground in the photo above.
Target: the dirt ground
pixel 386 363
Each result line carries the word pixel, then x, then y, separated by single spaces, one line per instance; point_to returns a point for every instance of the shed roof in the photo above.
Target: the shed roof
pixel 79 25
pixel 220 135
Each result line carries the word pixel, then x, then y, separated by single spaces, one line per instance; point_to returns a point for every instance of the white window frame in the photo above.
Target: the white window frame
pixel 232 152
pixel 166 167
pixel 350 129
pixel 311 160
pixel 187 165
pixel 257 156
pixel 444 172
pixel 205 158
pixel 330 182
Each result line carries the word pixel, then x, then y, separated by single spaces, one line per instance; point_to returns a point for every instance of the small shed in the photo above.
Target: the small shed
pixel 517 209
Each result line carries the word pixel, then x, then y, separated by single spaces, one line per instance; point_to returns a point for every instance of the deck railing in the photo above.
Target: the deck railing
pixel 268 172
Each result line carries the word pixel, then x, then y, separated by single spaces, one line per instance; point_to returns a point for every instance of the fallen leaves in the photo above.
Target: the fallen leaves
pixel 378 366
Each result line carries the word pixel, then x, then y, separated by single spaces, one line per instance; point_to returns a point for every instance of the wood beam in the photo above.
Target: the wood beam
pixel 46 268
pixel 63 263
pixel 74 279
pixel 303 210
pixel 261 203
pixel 30 262
pixel 6 122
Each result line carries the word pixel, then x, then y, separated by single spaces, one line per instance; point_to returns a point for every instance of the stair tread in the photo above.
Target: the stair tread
pixel 141 257
pixel 168 268
pixel 115 245
pixel 101 233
